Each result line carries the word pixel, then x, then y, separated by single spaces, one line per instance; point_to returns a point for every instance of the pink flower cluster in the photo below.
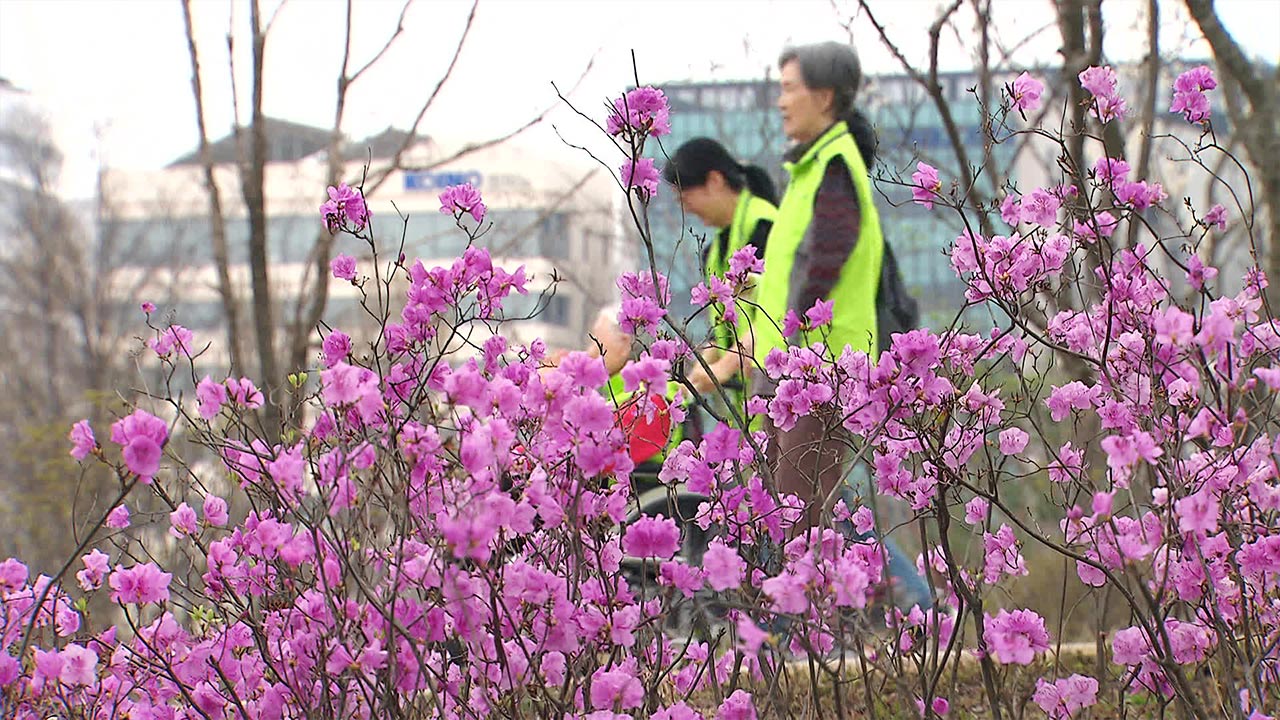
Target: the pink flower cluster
pixel 1107 103
pixel 459 199
pixel 642 111
pixel 1026 93
pixel 345 209
pixel 1188 94
pixel 448 536
pixel 645 297
pixel 926 185
pixel 640 177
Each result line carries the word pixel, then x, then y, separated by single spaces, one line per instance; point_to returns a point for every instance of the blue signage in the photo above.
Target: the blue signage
pixel 440 179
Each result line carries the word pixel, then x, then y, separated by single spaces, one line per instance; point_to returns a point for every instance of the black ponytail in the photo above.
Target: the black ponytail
pixel 864 136
pixel 759 183
pixel 693 161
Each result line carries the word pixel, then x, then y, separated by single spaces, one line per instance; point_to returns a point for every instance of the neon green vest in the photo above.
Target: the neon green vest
pixel 750 211
pixel 854 314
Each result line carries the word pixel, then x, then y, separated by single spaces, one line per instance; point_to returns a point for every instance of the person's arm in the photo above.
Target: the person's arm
pixel 829 240
pixel 724 364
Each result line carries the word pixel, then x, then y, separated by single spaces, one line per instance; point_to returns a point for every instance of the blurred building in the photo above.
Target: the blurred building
pixel 544 212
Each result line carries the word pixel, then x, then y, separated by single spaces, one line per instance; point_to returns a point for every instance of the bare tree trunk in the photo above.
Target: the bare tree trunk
pixel 252 186
pixel 217 222
pixel 311 310
pixel 1152 86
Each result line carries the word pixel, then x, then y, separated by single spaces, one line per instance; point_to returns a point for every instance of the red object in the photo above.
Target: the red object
pixel 646 436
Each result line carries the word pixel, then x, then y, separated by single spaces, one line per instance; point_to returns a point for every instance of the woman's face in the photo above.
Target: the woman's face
pixel 711 202
pixel 805 112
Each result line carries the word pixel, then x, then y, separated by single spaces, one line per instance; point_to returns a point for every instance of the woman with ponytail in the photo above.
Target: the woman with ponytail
pixel 826 245
pixel 739 200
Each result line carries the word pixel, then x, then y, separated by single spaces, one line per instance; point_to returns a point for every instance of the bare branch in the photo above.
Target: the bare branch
pixel 385 47
pixel 379 177
pixel 412 135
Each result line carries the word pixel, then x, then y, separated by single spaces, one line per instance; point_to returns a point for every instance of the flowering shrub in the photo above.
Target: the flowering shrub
pixel 450 536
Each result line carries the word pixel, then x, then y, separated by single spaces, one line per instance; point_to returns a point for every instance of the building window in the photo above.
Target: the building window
pixel 553 237
pixel 556 311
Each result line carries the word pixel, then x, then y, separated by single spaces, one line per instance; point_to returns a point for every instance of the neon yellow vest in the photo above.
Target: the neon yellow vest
pixel 854 314
pixel 748 214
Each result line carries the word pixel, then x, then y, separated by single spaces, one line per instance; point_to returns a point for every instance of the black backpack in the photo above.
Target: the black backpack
pixel 896 310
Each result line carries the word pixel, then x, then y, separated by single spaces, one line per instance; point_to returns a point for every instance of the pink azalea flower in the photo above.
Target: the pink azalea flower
pixel 1198 273
pixel 96 566
pixel 215 511
pixel 183 521
pixel 616 688
pixel 647 372
pixel 975 511
pixel 787 591
pixel 211 396
pixel 1129 646
pixel 343 267
pixel 863 521
pixel 1217 216
pixel 791 324
pixel 685 578
pixel 1026 93
pixel 725 568
pixel 677 711
pixel 1064 698
pixel 750 635
pixel 1002 555
pixel 1188 94
pixel 642 110
pixel 344 208
pixel 821 313
pixel 9 670
pixel 1016 637
pixel 79 665
pixel 336 348
pixel 1013 441
pixel 142 437
pixel 640 176
pixel 927 185
pixel 1107 103
pixel 737 706
pixel 139 584
pixel 244 393
pixel 651 537
pixel 171 337
pixel 459 199
pixel 82 440
pixel 118 518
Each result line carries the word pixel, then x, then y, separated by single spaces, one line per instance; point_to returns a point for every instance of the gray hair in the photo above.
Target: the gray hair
pixel 835 66
pixel 828 66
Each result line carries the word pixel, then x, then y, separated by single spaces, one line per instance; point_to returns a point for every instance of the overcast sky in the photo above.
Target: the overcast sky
pixel 120 67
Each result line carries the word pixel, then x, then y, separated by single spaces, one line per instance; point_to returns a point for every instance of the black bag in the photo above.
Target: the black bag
pixel 896 310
